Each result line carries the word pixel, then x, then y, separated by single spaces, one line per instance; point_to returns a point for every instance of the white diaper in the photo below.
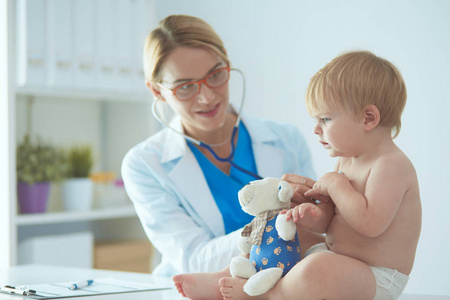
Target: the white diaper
pixel 390 282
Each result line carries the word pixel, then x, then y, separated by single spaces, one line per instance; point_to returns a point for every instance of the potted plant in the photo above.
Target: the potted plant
pixel 38 164
pixel 78 188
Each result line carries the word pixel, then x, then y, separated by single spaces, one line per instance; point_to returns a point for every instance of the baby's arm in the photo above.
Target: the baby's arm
pixel 369 213
pixel 315 217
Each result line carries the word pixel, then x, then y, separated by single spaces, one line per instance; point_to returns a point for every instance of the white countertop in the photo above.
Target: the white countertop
pixel 36 274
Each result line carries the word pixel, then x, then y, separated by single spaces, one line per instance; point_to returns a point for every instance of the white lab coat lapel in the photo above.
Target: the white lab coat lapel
pixel 187 175
pixel 269 163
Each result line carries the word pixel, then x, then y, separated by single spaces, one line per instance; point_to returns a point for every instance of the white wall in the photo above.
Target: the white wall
pixel 125 125
pixel 281 44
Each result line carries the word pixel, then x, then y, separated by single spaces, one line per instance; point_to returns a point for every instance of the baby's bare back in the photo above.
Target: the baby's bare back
pixel 395 247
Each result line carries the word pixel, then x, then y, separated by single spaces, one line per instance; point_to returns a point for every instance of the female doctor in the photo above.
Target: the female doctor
pixel 184 193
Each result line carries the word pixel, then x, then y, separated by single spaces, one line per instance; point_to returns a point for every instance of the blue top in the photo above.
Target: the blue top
pixel 225 187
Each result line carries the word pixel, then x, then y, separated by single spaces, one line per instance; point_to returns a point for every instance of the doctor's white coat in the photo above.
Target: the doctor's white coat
pixel 174 203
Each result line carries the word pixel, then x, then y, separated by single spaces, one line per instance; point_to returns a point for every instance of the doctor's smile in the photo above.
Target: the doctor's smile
pixel 211 112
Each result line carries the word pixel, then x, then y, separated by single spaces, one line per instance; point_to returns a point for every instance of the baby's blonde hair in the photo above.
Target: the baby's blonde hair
pixel 177 31
pixel 354 80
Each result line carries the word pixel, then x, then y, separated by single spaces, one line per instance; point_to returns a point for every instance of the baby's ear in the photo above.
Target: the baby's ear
pixel 371 117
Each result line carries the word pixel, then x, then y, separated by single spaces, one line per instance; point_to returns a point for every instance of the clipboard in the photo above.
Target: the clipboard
pixel 101 286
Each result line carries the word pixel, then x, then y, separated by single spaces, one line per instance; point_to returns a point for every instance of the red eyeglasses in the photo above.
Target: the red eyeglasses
pixel 191 89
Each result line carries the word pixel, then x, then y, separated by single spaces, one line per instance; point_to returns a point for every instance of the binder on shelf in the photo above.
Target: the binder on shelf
pixel 125 43
pixel 105 35
pixel 31 43
pixel 59 28
pixel 84 45
pixel 144 20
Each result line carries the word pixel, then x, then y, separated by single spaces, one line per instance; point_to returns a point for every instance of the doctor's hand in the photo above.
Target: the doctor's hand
pixel 299 185
pixel 320 189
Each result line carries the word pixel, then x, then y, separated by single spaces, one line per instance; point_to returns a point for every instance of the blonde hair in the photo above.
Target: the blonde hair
pixel 354 80
pixel 176 31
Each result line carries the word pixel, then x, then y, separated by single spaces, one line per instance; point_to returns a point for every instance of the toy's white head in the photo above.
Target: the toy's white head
pixel 265 194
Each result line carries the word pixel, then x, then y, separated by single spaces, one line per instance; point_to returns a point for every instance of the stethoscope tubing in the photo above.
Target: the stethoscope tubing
pixel 229 158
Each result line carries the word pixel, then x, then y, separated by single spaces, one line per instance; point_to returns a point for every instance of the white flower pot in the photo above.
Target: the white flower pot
pixel 77 194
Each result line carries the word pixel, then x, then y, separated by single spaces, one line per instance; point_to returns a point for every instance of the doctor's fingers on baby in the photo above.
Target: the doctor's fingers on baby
pixel 319 191
pixel 318 195
pixel 299 185
pixel 322 186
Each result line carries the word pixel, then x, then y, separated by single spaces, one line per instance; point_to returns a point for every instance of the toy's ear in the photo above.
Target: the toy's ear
pixel 285 192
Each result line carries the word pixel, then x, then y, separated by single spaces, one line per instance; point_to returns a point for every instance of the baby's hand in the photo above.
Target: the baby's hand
pixel 302 213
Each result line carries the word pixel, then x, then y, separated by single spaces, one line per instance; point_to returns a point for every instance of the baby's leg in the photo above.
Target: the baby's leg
pixel 200 286
pixel 318 276
pixel 327 276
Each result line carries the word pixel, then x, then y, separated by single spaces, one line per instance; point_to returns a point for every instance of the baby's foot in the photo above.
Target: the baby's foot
pixel 199 286
pixel 232 288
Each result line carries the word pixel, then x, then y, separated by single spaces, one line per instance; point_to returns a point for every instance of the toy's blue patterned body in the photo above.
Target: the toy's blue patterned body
pixel 274 251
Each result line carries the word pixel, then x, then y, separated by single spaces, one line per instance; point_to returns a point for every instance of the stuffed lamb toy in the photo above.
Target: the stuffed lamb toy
pixel 271 241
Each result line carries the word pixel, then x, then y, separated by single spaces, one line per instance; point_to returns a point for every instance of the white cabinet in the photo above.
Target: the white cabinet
pixel 80 52
pixel 74 249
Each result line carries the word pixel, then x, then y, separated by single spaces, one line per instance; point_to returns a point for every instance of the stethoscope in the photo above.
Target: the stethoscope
pixel 229 158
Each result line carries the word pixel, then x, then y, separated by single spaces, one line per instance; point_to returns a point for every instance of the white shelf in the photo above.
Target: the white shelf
pixel 76 216
pixel 65 93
